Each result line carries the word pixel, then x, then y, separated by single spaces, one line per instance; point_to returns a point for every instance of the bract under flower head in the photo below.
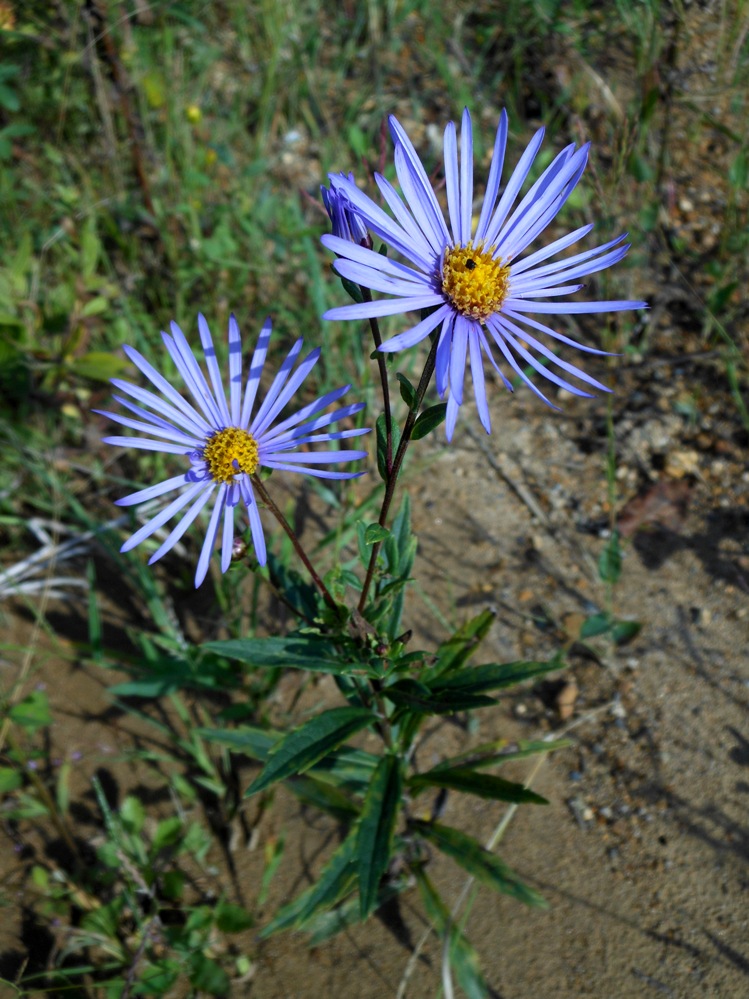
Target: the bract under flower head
pixel 224 442
pixel 476 284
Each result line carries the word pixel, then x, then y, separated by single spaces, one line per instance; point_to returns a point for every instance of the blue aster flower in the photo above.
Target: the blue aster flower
pixel 222 444
pixel 345 220
pixel 477 283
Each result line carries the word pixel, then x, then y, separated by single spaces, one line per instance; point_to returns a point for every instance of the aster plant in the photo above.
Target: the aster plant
pixel 479 289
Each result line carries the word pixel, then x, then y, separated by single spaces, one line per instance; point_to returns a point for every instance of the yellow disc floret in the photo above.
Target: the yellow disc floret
pixel 230 452
pixel 474 281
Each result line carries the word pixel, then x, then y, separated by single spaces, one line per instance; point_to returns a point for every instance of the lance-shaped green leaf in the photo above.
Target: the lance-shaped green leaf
pixel 294 652
pixel 463 957
pixel 456 651
pixel 334 882
pixel 482 785
pixel 255 742
pixel 376 827
pixel 417 696
pixel 382 450
pixel 492 676
pixel 429 420
pixel 492 754
pixel 326 797
pixel 472 857
pixel 408 392
pixel 304 746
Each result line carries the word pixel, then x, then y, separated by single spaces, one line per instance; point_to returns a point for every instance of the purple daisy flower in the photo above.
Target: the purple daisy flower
pixel 344 218
pixel 480 288
pixel 222 443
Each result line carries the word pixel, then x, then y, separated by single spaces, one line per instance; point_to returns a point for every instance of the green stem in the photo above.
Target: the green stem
pixel 426 377
pixel 265 497
pixel 382 366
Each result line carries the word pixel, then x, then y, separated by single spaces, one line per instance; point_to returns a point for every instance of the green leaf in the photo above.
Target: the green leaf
pixel 208 976
pixel 32 712
pixel 255 742
pixel 232 918
pixel 428 420
pixel 294 652
pixel 417 696
pixel 624 631
pixel 408 392
pixel 376 827
pixel 492 676
pixel 381 435
pixel 335 881
pixel 132 815
pixel 168 833
pixel 464 961
pixel 458 649
pixel 374 533
pixel 327 797
pixel 472 857
pixel 610 560
pixel 500 751
pixel 482 785
pixel 97 365
pixel 304 746
pixel 10 780
pixel 597 624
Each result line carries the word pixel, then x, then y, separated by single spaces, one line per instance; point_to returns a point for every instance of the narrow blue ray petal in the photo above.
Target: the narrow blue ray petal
pixel 559 265
pixel 256 370
pixel 510 329
pixel 466 177
pixel 526 285
pixel 375 280
pixel 312 408
pixel 517 179
pixel 458 358
pixel 151 492
pixel 256 526
pixel 508 356
pixel 163 386
pixel 545 371
pixel 192 424
pixel 209 353
pixel 264 419
pixel 164 515
pixel 451 416
pixel 383 226
pixel 402 341
pixel 384 307
pixel 494 179
pixel 142 444
pixel 194 378
pixel 316 473
pixel 156 421
pixel 235 370
pixel 477 375
pixel 444 347
pixel 415 170
pixel 452 181
pixel 372 259
pixel 288 443
pixel 529 321
pixel 570 308
pixel 210 537
pixel 182 526
pixel 275 389
pixel 419 203
pixel 227 540
pixel 488 351
pixel 318 457
pixel 405 220
pixel 537 203
pixel 550 249
pixel 150 428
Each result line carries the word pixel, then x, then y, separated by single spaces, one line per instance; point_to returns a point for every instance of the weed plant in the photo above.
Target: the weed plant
pixel 161 159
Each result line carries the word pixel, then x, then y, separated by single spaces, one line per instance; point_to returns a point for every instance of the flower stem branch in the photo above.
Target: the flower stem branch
pixel 265 497
pixel 426 377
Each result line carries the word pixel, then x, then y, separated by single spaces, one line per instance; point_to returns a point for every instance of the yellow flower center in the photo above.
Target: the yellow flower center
pixel 229 452
pixel 474 281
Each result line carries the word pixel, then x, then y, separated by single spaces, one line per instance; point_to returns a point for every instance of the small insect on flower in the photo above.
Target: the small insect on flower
pixel 478 284
pixel 224 443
